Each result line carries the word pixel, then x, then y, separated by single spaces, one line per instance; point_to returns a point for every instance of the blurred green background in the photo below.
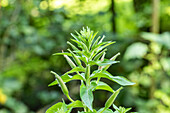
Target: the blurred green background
pixel 32 30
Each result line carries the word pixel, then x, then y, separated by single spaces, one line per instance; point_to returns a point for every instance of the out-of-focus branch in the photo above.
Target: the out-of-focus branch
pixel 155 16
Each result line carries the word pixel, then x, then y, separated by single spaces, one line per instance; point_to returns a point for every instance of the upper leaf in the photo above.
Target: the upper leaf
pixel 66 78
pixel 101 86
pixel 118 79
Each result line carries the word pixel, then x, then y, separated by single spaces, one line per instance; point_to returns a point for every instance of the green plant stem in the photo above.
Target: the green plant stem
pixel 88 110
pixel 84 109
pixel 70 98
pixel 87 75
pixel 98 79
pixel 103 110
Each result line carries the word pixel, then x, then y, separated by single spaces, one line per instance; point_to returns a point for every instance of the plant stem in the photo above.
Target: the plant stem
pixel 88 110
pixel 98 79
pixel 103 110
pixel 84 109
pixel 70 98
pixel 87 75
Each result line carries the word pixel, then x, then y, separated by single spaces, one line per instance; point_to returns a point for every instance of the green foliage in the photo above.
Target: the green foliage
pixel 89 51
pixel 30 30
pixel 121 109
pixel 152 79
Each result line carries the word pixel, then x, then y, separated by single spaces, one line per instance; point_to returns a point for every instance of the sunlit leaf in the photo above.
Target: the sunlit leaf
pixel 75 104
pixel 66 78
pixel 54 108
pixel 65 53
pixel 101 86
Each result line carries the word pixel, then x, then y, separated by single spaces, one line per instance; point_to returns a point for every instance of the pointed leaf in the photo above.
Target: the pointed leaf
pixel 102 86
pixel 74 47
pixel 76 69
pixel 118 79
pixel 94 36
pixel 112 98
pixel 64 106
pixel 76 59
pixel 75 104
pixel 86 96
pixel 66 78
pixel 105 111
pixel 65 53
pixel 70 62
pixel 54 108
pixel 101 40
pixel 99 55
pixel 95 43
pixel 103 63
pixel 112 59
pixel 75 37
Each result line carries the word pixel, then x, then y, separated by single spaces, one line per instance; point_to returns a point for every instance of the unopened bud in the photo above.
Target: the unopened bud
pixel 61 83
pixel 70 62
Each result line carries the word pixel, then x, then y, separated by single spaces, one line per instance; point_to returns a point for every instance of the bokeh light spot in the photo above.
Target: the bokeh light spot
pixel 4 3
pixel 43 5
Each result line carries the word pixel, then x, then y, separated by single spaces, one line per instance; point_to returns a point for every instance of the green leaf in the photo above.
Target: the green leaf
pixel 75 37
pixel 101 86
pixel 66 78
pixel 65 53
pixel 76 69
pixel 64 106
pixel 99 55
pixel 161 39
pixel 133 52
pixel 69 111
pixel 75 104
pixel 78 43
pixel 112 59
pixel 86 96
pixel 93 36
pixel 105 111
pixel 109 43
pixel 54 108
pixel 103 45
pixel 70 62
pixel 80 37
pixel 118 79
pixel 74 47
pixel 94 111
pixel 96 49
pixel 76 59
pixel 83 58
pixel 101 40
pixel 106 62
pixel 61 83
pixel 112 98
pixel 103 63
pixel 97 46
pixel 95 43
pixel 121 109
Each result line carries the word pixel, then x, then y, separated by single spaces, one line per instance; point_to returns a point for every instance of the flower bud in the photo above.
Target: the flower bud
pixel 61 83
pixel 78 62
pixel 70 62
